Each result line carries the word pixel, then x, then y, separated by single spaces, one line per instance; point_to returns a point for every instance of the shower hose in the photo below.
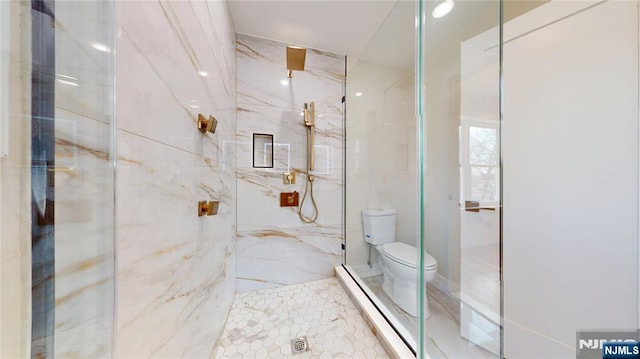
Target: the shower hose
pixel 308 188
pixel 304 218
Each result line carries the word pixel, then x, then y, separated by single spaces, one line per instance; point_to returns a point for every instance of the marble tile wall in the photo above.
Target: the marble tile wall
pixel 274 246
pixel 84 180
pixel 176 271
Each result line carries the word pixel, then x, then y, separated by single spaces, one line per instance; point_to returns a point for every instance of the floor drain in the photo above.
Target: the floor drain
pixel 299 345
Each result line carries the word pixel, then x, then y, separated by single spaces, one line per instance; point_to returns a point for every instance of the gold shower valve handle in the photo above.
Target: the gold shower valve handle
pixel 207 125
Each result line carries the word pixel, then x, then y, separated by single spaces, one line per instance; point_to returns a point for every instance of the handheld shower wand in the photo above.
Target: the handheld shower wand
pixel 309 123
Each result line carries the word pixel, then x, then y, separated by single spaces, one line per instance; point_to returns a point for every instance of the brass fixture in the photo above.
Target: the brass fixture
pixel 289 199
pixel 209 208
pixel 289 178
pixel 205 124
pixel 295 59
pixel 474 206
pixel 310 126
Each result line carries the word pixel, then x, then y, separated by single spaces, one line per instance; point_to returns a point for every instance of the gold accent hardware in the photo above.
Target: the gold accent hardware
pixel 310 124
pixel 312 129
pixel 295 59
pixel 289 199
pixel 289 178
pixel 209 208
pixel 205 125
pixel 474 206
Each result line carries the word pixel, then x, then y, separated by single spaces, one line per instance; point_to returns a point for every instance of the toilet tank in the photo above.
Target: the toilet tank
pixel 379 225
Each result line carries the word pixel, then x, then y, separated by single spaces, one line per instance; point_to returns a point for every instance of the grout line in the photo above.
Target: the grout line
pixel 166 144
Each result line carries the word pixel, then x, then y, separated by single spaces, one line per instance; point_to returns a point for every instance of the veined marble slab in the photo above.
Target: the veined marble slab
pixel 289 137
pixel 262 77
pixel 274 246
pixel 270 257
pixel 174 72
pixel 176 270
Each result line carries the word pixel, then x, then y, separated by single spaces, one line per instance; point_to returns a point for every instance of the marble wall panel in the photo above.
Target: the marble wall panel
pixel 176 271
pixel 274 246
pixel 168 51
pixel 262 77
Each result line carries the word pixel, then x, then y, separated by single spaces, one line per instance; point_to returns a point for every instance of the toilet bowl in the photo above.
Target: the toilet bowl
pixel 398 261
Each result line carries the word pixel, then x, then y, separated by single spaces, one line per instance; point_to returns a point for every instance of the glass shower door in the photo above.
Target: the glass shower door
pixel 459 103
pixel 57 179
pixel 381 159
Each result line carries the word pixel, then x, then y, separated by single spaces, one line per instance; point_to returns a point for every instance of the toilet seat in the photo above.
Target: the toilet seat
pixel 407 255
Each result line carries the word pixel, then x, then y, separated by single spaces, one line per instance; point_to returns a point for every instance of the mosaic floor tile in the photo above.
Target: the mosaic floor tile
pixel 262 324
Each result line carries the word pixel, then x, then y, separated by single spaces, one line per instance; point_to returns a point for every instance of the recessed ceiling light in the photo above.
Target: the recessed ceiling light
pixel 203 73
pixel 442 9
pixel 100 46
pixel 358 94
pixel 284 82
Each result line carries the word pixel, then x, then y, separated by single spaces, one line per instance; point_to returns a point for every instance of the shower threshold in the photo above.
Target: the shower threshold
pixel 386 334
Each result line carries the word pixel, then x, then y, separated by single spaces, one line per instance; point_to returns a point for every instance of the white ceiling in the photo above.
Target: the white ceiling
pixel 343 27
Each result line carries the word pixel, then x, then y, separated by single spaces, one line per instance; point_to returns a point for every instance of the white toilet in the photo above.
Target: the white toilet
pixel 397 260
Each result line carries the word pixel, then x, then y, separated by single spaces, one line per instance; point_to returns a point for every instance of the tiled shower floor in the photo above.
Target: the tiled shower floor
pixel 262 324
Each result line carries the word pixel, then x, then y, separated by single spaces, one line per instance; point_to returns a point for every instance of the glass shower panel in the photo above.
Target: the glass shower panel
pixel 381 160
pixel 84 178
pixel 460 97
pixel 57 179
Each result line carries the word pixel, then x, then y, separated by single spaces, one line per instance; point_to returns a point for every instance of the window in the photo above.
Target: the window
pixel 479 162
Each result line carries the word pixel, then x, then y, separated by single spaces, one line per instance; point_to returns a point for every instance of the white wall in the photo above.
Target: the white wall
pixel 570 141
